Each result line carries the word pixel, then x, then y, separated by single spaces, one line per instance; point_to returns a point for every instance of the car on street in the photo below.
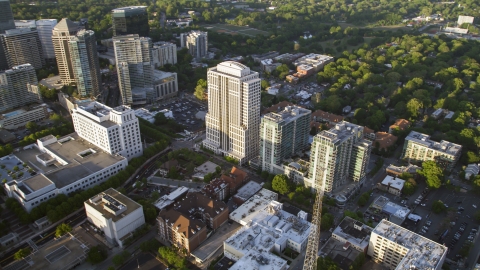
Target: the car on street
pixel 474 206
pixel 423 204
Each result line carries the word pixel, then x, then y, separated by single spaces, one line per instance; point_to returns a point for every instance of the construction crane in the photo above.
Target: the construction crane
pixel 311 254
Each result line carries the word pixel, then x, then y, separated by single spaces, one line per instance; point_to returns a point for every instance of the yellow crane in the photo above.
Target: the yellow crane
pixel 311 253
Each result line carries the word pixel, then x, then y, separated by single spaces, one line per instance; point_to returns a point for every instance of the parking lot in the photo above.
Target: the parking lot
pixel 184 111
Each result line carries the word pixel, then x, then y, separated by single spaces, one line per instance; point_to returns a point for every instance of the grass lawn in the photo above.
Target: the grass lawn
pixel 234 29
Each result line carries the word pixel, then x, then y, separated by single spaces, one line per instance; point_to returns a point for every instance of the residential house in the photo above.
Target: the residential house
pixel 471 170
pixel 400 124
pixel 165 167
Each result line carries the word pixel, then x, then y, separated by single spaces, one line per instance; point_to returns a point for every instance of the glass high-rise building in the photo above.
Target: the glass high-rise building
pixel 233 117
pixel 282 135
pixel 134 68
pixel 60 37
pixel 338 155
pixel 45 28
pixel 130 20
pixel 6 16
pixel 86 69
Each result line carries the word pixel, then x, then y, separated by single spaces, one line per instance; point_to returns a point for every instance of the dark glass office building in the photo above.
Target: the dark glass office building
pixel 130 20
pixel 6 16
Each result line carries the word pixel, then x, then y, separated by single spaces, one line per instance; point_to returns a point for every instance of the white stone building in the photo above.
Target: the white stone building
pixel 164 53
pixel 20 117
pixel 115 214
pixel 114 130
pixel 233 118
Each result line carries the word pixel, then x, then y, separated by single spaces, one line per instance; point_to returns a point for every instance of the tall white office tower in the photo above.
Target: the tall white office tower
pixel 134 67
pixel 233 117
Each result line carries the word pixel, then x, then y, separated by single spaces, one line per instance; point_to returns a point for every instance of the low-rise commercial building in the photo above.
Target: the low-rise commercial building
pixel 401 249
pixel 272 230
pixel 64 165
pixel 165 85
pixel 392 185
pixel 396 171
pixel 260 260
pixel 247 210
pixel 115 214
pixel 20 117
pixel 316 61
pixel 419 147
pixel 246 192
pixel 167 200
pixel 185 224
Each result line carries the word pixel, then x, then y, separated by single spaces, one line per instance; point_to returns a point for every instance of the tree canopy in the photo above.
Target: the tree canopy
pixel 280 184
pixel 432 173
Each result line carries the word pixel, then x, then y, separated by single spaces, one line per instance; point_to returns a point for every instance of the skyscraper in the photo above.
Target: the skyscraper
pixel 130 20
pixel 60 37
pixel 22 46
pixel 45 28
pixel 6 16
pixel 86 69
pixel 18 87
pixel 338 154
pixel 196 42
pixel 282 135
pixel 233 117
pixel 135 71
pixel 164 53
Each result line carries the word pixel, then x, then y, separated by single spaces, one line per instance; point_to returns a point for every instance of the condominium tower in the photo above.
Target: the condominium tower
pixel 22 46
pixel 135 71
pixel 282 134
pixel 338 155
pixel 18 87
pixel 60 36
pixel 86 69
pixel 164 53
pixel 6 16
pixel 233 117
pixel 114 130
pixel 196 42
pixel 45 28
pixel 130 20
pixel 419 147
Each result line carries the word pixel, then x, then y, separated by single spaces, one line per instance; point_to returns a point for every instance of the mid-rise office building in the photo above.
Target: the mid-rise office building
pixel 196 43
pixel 6 16
pixel 133 56
pixel 419 147
pixel 282 135
pixel 130 20
pixel 164 53
pixel 401 249
pixel 114 130
pixel 84 58
pixel 165 85
pixel 233 117
pixel 20 117
pixel 22 46
pixel 338 155
pixel 61 166
pixel 60 37
pixel 18 87
pixel 115 214
pixel 45 28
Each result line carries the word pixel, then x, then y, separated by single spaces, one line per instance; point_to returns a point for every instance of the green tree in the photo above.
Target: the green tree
pixel 32 126
pixel 62 229
pixel 432 173
pixel 326 263
pixel 438 207
pixel 327 221
pixel 265 84
pixel 280 184
pixel 21 253
pixel 97 254
pixel 410 187
pixel 120 259
pixel 200 89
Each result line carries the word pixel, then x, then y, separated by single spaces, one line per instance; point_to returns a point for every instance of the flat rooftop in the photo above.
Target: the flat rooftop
pixel 423 253
pixel 442 146
pixel 104 200
pixel 169 199
pixel 37 182
pixel 162 75
pixel 246 211
pixel 248 190
pixel 288 114
pixel 78 167
pixel 259 260
pixel 340 132
pixel 335 250
pixel 62 253
pixel 215 242
pixel 393 182
pixel 354 231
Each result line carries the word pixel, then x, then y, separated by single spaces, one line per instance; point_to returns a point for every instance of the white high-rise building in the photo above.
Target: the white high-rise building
pixel 134 67
pixel 196 42
pixel 233 117
pixel 398 248
pixel 114 130
pixel 45 28
pixel 338 155
pixel 164 53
